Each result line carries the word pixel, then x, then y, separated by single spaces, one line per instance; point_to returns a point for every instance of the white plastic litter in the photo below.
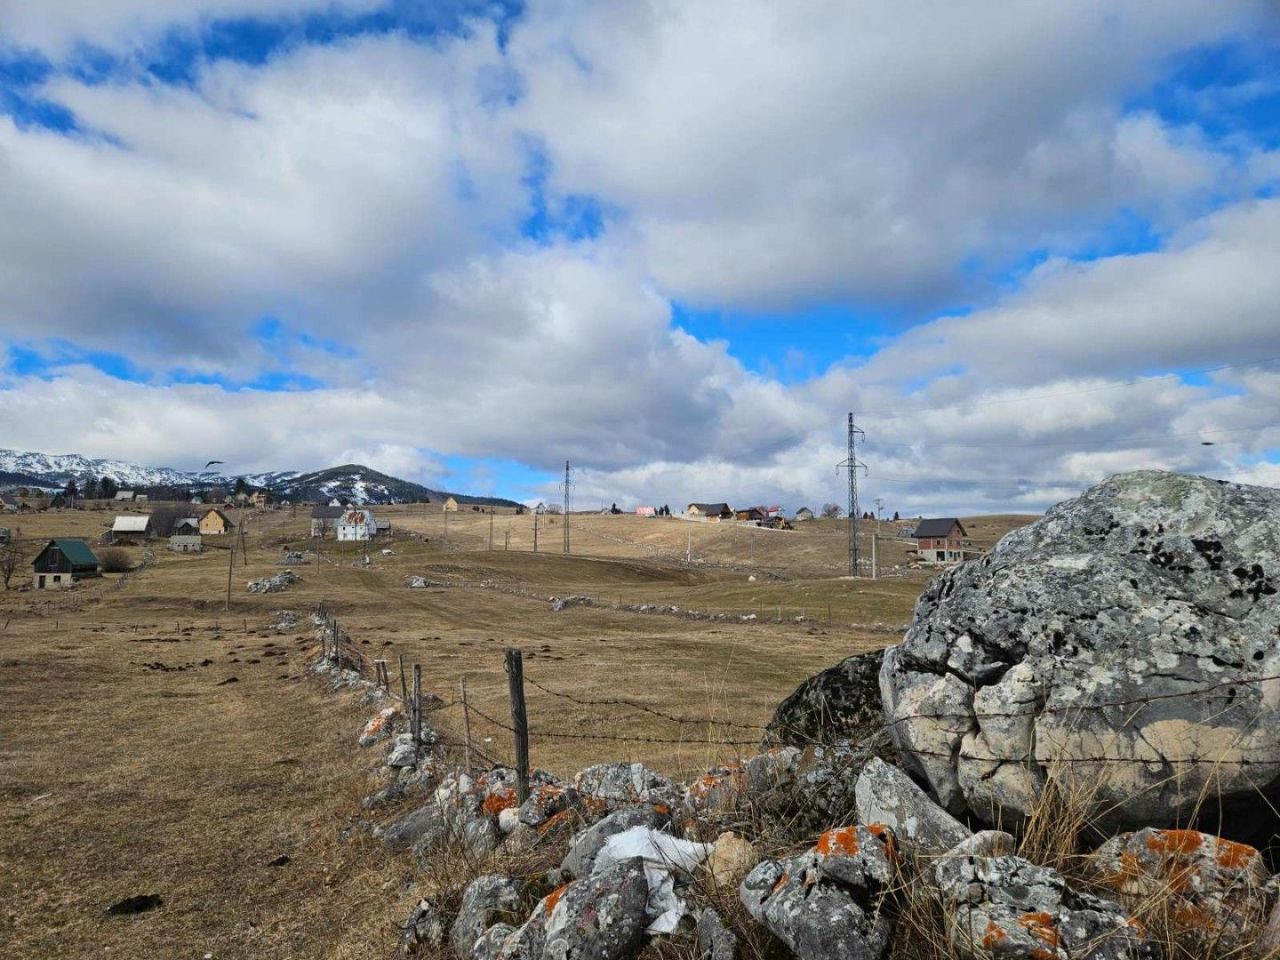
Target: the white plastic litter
pixel 662 855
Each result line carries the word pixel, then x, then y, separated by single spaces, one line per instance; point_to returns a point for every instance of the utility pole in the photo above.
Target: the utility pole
pixel 688 544
pixel 568 483
pixel 853 465
pixel 491 528
pixel 535 529
pixel 879 502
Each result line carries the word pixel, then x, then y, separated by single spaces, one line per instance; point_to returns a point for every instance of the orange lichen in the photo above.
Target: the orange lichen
pixel 782 882
pixel 662 809
pixel 1187 914
pixel 840 841
pixel 554 897
pixel 1184 842
pixel 555 820
pixel 501 798
pixel 1138 926
pixel 993 935
pixel 1041 926
pixel 1234 856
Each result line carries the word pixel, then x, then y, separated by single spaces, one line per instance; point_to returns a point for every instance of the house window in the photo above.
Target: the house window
pixel 942 555
pixel 40 585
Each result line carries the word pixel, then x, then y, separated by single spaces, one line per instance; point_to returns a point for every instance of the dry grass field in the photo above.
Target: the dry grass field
pixel 154 741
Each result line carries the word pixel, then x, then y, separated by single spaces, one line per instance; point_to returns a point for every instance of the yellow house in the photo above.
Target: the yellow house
pixel 450 505
pixel 215 522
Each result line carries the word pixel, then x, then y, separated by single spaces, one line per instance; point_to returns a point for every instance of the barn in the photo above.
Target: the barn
pixel 62 562
pixel 130 529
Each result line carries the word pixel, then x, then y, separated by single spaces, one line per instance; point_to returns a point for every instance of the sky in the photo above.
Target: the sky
pixel 1029 245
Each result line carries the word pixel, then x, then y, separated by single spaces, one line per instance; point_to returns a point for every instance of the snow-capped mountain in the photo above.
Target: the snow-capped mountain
pixel 352 482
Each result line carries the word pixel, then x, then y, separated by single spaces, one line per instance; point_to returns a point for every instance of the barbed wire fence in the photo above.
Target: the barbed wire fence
pixel 723 734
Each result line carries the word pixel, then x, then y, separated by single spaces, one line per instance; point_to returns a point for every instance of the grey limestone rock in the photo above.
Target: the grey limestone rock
pixel 488 899
pixel 826 902
pixel 886 795
pixel 1132 625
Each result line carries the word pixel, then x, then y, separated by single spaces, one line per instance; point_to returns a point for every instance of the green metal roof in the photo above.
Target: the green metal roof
pixel 77 551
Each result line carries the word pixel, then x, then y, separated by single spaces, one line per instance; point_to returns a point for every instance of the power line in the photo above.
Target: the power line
pixel 852 464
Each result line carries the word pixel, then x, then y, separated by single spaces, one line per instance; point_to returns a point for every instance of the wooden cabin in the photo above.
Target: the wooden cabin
pixel 62 562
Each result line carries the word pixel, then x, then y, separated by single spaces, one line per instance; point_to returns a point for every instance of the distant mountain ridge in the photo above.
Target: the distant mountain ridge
pixel 352 481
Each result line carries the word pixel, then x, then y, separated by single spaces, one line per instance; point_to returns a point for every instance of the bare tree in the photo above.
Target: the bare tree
pixel 10 557
pixel 114 560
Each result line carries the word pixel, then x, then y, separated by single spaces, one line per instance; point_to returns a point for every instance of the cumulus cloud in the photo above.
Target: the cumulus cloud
pixel 367 195
pixel 770 153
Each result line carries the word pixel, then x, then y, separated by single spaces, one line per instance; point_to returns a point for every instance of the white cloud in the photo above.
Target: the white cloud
pixel 369 192
pixel 771 153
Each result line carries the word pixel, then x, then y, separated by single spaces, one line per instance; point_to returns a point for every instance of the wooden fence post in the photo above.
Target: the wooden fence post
pixel 404 688
pixel 466 725
pixel 519 720
pixel 417 703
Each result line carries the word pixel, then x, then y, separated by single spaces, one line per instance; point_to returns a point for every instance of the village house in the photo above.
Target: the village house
pixel 940 540
pixel 325 517
pixel 62 562
pixel 8 503
pixel 186 536
pixel 125 496
pixel 804 513
pixel 357 525
pixel 646 511
pixel 214 523
pixel 260 499
pixel 450 505
pixel 709 511
pixel 131 529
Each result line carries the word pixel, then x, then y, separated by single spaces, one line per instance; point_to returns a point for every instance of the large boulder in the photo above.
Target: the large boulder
pixel 1122 642
pixel 840 703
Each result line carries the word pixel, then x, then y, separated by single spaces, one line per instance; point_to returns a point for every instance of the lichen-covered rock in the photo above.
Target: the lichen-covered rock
pixel 1009 907
pixel 822 789
pixel 1217 884
pixel 488 900
pixel 622 784
pixel 585 846
pixel 762 783
pixel 492 941
pixel 826 902
pixel 426 823
pixel 715 940
pixel 379 727
pixel 1134 624
pixel 840 703
pixel 424 929
pixel 602 917
pixel 884 794
pixel 404 752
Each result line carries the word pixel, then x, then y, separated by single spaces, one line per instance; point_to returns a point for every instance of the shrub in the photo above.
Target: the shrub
pixel 115 560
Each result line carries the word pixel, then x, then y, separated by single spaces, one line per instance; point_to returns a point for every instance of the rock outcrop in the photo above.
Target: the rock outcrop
pixel 840 703
pixel 1124 641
